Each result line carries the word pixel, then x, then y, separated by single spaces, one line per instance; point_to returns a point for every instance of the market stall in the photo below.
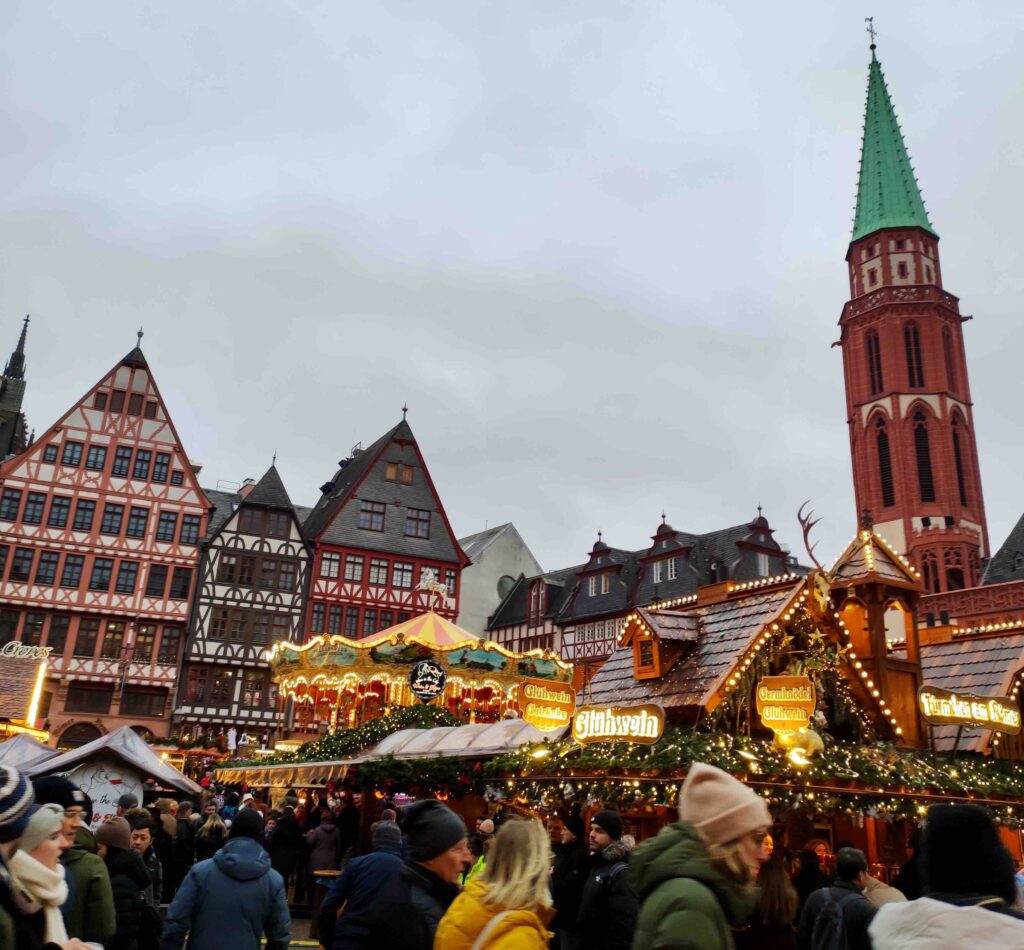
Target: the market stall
pixel 22 674
pixel 336 683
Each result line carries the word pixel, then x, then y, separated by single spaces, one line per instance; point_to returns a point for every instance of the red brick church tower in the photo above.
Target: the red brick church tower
pixel 908 400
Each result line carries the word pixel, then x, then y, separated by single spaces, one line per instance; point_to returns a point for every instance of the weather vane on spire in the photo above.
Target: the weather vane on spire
pixel 274 462
pixel 870 21
pixel 139 335
pixel 405 409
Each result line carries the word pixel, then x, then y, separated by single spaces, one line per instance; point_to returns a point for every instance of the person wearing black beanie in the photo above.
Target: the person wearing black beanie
pixel 571 868
pixel 233 899
pixel 609 906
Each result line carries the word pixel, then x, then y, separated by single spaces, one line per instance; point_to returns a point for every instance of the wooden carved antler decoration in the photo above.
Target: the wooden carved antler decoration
pixel 807 522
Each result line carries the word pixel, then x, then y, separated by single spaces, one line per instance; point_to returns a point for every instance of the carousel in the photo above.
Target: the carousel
pixel 333 682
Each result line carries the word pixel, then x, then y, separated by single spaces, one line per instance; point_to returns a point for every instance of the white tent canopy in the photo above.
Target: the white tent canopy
pixel 128 746
pixel 486 738
pixel 22 752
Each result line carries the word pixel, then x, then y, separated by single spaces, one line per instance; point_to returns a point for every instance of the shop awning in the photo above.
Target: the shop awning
pixel 23 751
pixel 300 774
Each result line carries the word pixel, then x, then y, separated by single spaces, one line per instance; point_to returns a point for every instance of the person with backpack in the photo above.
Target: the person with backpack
pixel 838 917
pixel 608 904
pixel 696 876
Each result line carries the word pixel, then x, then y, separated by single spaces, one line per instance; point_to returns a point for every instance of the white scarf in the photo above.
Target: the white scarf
pixel 42 889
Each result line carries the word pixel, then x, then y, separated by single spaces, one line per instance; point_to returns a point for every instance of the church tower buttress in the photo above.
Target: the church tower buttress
pixel 908 400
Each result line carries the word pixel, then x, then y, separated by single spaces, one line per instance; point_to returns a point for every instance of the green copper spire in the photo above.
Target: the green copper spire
pixel 887 194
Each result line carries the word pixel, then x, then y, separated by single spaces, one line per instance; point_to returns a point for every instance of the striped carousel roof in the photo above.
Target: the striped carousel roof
pixel 427 629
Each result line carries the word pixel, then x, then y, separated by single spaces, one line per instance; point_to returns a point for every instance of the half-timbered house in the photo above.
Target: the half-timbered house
pixel 250 594
pixel 100 522
pixel 378 531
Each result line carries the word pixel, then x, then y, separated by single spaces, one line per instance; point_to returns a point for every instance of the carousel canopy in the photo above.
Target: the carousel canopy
pixel 429 630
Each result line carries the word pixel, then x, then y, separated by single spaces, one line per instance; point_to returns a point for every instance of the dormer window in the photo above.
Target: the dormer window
pixel 657 571
pixel 538 599
pixel 672 568
pixel 646 658
pixel 606 582
pixel 592 585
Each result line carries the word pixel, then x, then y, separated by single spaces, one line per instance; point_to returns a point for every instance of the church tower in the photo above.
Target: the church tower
pixel 13 430
pixel 908 401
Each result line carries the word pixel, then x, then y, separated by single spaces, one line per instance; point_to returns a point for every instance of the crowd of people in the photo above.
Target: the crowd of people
pixel 217 874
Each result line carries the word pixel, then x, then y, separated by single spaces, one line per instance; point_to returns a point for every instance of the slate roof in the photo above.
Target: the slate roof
pixel 724 631
pixel 675 625
pixel 512 610
pixel 269 492
pixel 1007 564
pixel 224 504
pixel 474 544
pixel 985 666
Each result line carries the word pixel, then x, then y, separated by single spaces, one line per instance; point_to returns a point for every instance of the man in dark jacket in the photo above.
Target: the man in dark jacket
pixel 357 890
pixel 608 906
pixel 848 894
pixel 128 879
pixel 410 905
pixel 229 901
pixel 570 872
pixel 143 833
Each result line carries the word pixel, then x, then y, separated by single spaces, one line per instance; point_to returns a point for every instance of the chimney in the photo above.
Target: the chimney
pixel 247 486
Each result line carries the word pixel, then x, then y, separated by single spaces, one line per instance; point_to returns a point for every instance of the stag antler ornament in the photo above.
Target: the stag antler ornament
pixel 807 522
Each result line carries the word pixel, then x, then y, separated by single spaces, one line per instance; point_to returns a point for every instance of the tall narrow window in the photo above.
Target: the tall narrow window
pixel 947 352
pixel 958 458
pixel 884 464
pixel 925 480
pixel 874 363
pixel 912 345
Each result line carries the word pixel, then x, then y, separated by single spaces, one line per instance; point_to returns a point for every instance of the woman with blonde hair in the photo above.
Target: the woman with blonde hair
pixel 211 837
pixel 509 905
pixel 696 876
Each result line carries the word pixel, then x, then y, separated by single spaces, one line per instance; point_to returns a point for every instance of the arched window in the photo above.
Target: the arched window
pixel 930 571
pixel 912 345
pixel 947 352
pixel 925 480
pixel 874 363
pixel 884 463
pixel 953 562
pixel 958 458
pixel 78 735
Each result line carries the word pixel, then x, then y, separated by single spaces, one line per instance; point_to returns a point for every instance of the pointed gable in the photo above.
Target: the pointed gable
pixel 390 473
pixel 269 492
pixel 124 408
pixel 868 556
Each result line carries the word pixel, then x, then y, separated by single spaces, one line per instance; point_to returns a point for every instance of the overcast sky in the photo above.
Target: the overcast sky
pixel 597 247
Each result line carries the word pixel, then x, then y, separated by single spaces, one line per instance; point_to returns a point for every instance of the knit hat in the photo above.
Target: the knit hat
pixel 574 825
pixel 43 821
pixel 127 801
pixel 961 853
pixel 431 828
pixel 487 827
pixel 387 837
pixel 116 833
pixel 15 800
pixel 55 790
pixel 609 822
pixel 720 807
pixel 248 823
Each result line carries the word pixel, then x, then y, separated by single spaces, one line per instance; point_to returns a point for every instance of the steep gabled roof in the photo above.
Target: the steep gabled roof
pixel 888 195
pixel 512 610
pixel 475 544
pixel 269 492
pixel 869 556
pixel 1007 564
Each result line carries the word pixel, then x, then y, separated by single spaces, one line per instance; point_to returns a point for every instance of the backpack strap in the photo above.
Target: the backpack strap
pixel 481 940
pixel 615 870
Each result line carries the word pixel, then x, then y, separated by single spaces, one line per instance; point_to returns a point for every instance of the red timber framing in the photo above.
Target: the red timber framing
pixel 251 593
pixel 100 522
pixel 377 530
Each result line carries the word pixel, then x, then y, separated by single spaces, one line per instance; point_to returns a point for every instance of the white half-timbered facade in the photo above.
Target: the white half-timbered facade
pixel 100 523
pixel 253 579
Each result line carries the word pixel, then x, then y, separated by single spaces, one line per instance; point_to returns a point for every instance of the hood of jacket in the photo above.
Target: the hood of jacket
pixel 678 851
pixel 130 864
pixel 927 924
pixel 469 915
pixel 243 859
pixel 617 851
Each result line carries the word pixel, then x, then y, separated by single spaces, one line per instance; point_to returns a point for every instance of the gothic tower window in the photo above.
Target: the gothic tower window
pixel 947 351
pixel 930 571
pixel 884 463
pixel 874 363
pixel 925 480
pixel 912 345
pixel 954 564
pixel 958 459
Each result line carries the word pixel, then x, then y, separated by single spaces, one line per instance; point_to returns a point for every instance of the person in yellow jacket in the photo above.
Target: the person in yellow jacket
pixel 509 906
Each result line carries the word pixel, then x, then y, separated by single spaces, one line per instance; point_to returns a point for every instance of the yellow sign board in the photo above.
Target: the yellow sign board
pixel 785 703
pixel 643 724
pixel 947 708
pixel 545 704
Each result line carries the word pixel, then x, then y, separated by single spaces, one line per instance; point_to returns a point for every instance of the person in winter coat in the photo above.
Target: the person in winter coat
pixel 695 876
pixel 771 926
pixel 572 865
pixel 410 905
pixel 324 844
pixel 285 847
pixel 357 890
pixel 142 844
pixel 210 837
pixel 608 903
pixel 230 901
pixel 89 911
pixel 39 875
pixel 128 880
pixel 509 905
pixel 847 892
pixel 879 893
pixel 967 876
pixel 809 877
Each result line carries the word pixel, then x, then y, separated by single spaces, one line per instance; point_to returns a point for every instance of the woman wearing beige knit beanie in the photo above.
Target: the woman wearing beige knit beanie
pixel 695 876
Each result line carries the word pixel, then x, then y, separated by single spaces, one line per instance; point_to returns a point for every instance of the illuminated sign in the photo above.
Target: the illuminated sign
pixel 943 707
pixel 427 680
pixel 21 651
pixel 546 705
pixel 785 703
pixel 643 724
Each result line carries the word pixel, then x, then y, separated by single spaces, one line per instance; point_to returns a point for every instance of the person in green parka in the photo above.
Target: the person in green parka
pixel 695 877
